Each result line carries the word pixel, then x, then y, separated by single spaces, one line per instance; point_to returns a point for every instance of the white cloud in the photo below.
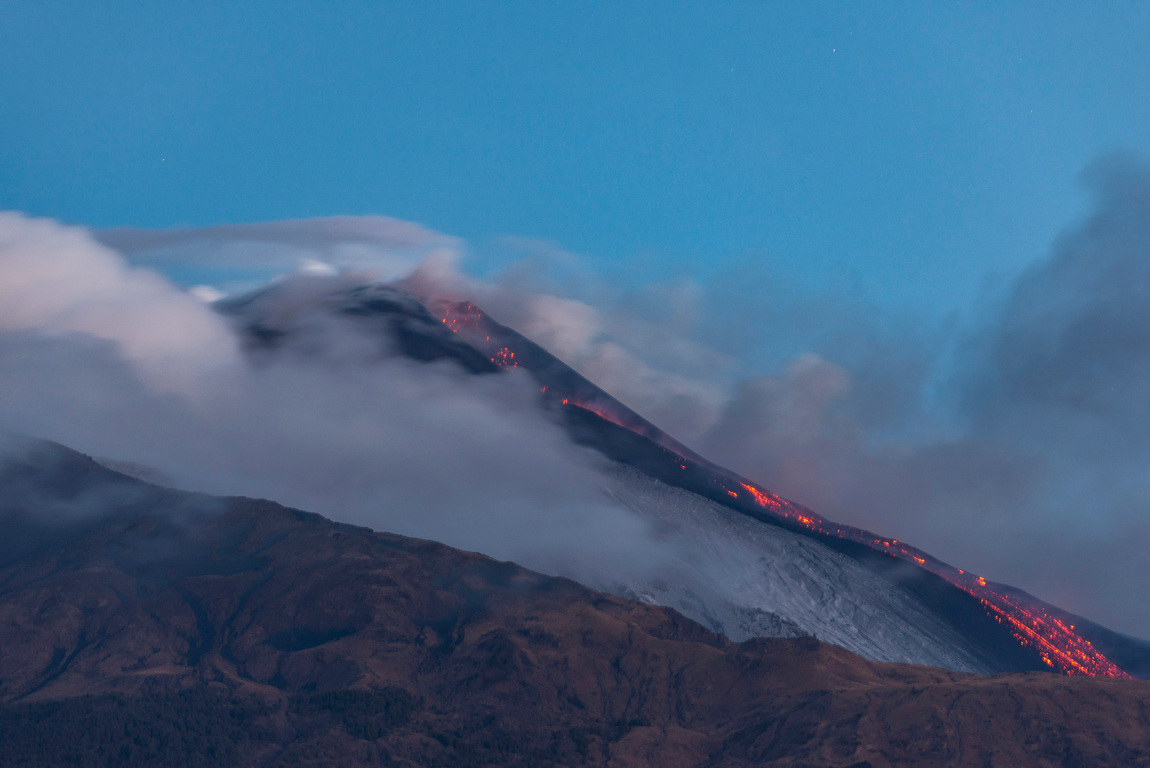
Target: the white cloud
pixel 337 427
pixel 244 255
pixel 56 279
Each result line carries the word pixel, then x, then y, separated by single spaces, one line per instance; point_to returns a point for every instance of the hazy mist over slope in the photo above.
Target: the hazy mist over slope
pixel 357 435
pixel 1011 441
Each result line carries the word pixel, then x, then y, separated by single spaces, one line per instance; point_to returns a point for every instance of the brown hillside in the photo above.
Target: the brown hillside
pixel 283 612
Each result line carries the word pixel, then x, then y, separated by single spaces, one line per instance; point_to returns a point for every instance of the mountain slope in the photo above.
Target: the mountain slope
pixel 311 642
pixel 879 597
pixel 996 617
pixel 744 575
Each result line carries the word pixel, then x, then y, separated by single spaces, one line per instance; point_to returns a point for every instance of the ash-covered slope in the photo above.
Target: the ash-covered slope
pixel 875 596
pixel 144 626
pixel 740 577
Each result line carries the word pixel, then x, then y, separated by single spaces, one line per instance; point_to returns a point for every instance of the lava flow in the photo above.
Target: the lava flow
pixel 462 317
pixel 505 358
pixel 1055 641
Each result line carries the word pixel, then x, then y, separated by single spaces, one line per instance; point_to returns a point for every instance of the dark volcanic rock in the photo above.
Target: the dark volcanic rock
pixel 266 320
pixel 278 637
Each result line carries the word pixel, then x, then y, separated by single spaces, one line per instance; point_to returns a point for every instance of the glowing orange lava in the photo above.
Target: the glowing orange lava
pixel 505 358
pixel 1056 643
pixel 462 317
pixel 601 414
pixel 768 500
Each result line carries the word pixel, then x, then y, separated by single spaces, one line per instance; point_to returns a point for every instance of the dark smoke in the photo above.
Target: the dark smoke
pixel 1037 475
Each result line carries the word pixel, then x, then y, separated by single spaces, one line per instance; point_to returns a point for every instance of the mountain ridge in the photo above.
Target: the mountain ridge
pixel 311 632
pixel 1049 636
pixel 1013 631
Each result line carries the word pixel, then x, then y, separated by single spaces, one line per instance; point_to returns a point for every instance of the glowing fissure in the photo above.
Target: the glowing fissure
pixel 600 413
pixel 505 358
pixel 462 317
pixel 1057 644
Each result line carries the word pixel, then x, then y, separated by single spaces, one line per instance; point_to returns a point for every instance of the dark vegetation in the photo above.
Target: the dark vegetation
pixel 210 727
pixel 199 728
pixel 366 715
pixel 204 727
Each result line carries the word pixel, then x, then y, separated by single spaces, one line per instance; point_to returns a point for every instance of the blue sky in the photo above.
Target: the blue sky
pixel 899 151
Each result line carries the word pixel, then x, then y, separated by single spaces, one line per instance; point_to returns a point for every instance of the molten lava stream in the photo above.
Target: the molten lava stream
pixel 601 414
pixel 1056 643
pixel 505 358
pixel 462 317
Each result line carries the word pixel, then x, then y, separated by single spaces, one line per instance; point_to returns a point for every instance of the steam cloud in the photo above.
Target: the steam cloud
pixel 1016 447
pixel 418 449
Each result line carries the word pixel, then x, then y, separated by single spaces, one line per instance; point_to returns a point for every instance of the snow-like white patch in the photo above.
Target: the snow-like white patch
pixel 746 579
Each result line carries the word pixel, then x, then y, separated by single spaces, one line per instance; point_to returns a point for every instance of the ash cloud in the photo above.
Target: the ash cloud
pixel 1070 357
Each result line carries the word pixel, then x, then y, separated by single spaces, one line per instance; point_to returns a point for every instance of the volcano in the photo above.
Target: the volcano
pixel 147 626
pixel 758 565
